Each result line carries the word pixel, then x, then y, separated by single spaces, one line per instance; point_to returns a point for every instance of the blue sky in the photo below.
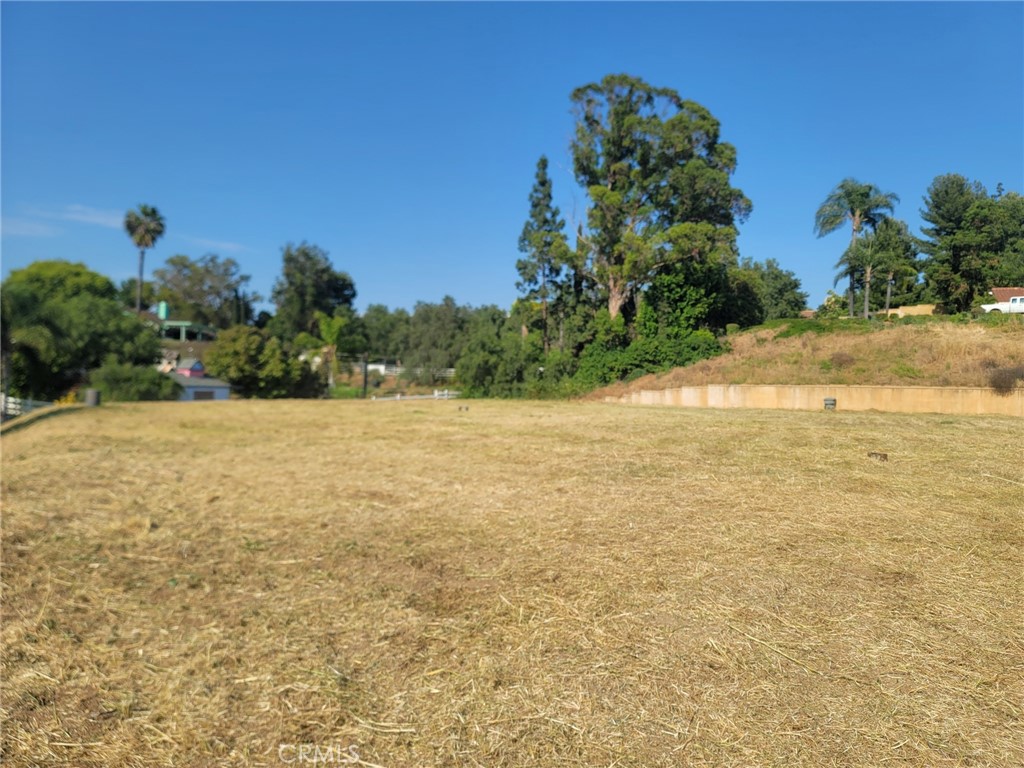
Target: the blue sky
pixel 403 138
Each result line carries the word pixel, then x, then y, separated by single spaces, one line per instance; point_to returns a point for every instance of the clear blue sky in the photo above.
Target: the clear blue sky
pixel 403 138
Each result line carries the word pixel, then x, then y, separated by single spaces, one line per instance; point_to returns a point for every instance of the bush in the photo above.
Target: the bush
pixel 600 366
pixel 346 392
pixel 1004 380
pixel 800 326
pixel 129 383
pixel 843 360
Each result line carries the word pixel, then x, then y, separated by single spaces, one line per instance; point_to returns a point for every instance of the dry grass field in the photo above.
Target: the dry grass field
pixel 519 584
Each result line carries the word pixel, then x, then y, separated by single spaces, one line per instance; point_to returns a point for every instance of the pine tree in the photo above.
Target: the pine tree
pixel 545 247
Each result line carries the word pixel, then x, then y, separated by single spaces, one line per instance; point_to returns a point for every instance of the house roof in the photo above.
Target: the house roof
pixel 205 382
pixel 1005 294
pixel 189 362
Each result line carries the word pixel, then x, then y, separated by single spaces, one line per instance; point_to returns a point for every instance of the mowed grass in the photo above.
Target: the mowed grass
pixel 519 584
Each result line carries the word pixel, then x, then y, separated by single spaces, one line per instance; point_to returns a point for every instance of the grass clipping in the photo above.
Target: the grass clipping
pixel 517 584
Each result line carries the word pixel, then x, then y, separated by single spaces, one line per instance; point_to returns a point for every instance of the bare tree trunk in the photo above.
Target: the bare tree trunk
pixel 855 221
pixel 867 291
pixel 617 295
pixel 544 306
pixel 888 292
pixel 138 287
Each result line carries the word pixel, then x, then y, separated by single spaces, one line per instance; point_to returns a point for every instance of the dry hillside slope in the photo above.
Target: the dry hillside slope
pixel 933 354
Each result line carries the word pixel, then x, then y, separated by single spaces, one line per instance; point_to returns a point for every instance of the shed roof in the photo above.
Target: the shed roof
pixel 206 382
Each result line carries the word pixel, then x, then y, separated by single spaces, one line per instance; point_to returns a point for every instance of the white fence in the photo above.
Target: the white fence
pixel 439 394
pixel 386 369
pixel 16 406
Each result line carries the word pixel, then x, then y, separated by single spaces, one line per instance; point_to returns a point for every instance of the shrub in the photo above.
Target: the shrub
pixel 602 365
pixel 1004 380
pixel 123 382
pixel 843 360
pixel 906 371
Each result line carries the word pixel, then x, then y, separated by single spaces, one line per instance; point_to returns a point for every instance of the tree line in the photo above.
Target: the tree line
pixel 649 279
pixel 972 241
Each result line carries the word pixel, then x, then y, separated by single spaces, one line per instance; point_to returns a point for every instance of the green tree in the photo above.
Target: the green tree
pixel 437 335
pixel 61 280
pixel 144 226
pixel 889 251
pixel 61 321
pixel 258 365
pixel 650 161
pixel 860 205
pixel 128 290
pixel 387 332
pixel 759 292
pixel 781 292
pixel 744 305
pixel 483 353
pixel 235 358
pixel 543 242
pixel 1009 267
pixel 308 284
pixel 949 198
pixel 343 335
pixel 129 383
pixel 29 336
pixel 953 277
pixel 974 241
pixel 689 293
pixel 208 290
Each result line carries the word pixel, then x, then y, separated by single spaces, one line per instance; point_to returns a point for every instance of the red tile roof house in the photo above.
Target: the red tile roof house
pixel 195 384
pixel 1005 294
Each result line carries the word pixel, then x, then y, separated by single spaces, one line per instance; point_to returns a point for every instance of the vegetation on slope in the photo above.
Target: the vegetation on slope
pixel 912 352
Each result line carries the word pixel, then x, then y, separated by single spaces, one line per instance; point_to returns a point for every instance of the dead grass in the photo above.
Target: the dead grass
pixel 520 584
pixel 942 354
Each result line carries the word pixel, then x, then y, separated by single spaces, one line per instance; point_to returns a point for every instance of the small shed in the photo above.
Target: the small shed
pixel 201 387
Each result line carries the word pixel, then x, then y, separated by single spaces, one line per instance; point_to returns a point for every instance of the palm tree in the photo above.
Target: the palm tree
pixel 887 251
pixel 144 227
pixel 865 256
pixel 331 330
pixel 861 205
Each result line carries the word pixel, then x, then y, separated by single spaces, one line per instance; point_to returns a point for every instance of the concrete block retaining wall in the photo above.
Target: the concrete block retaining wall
pixel 960 400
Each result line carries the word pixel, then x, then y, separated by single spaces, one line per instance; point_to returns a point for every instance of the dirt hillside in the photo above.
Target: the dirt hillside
pixel 945 354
